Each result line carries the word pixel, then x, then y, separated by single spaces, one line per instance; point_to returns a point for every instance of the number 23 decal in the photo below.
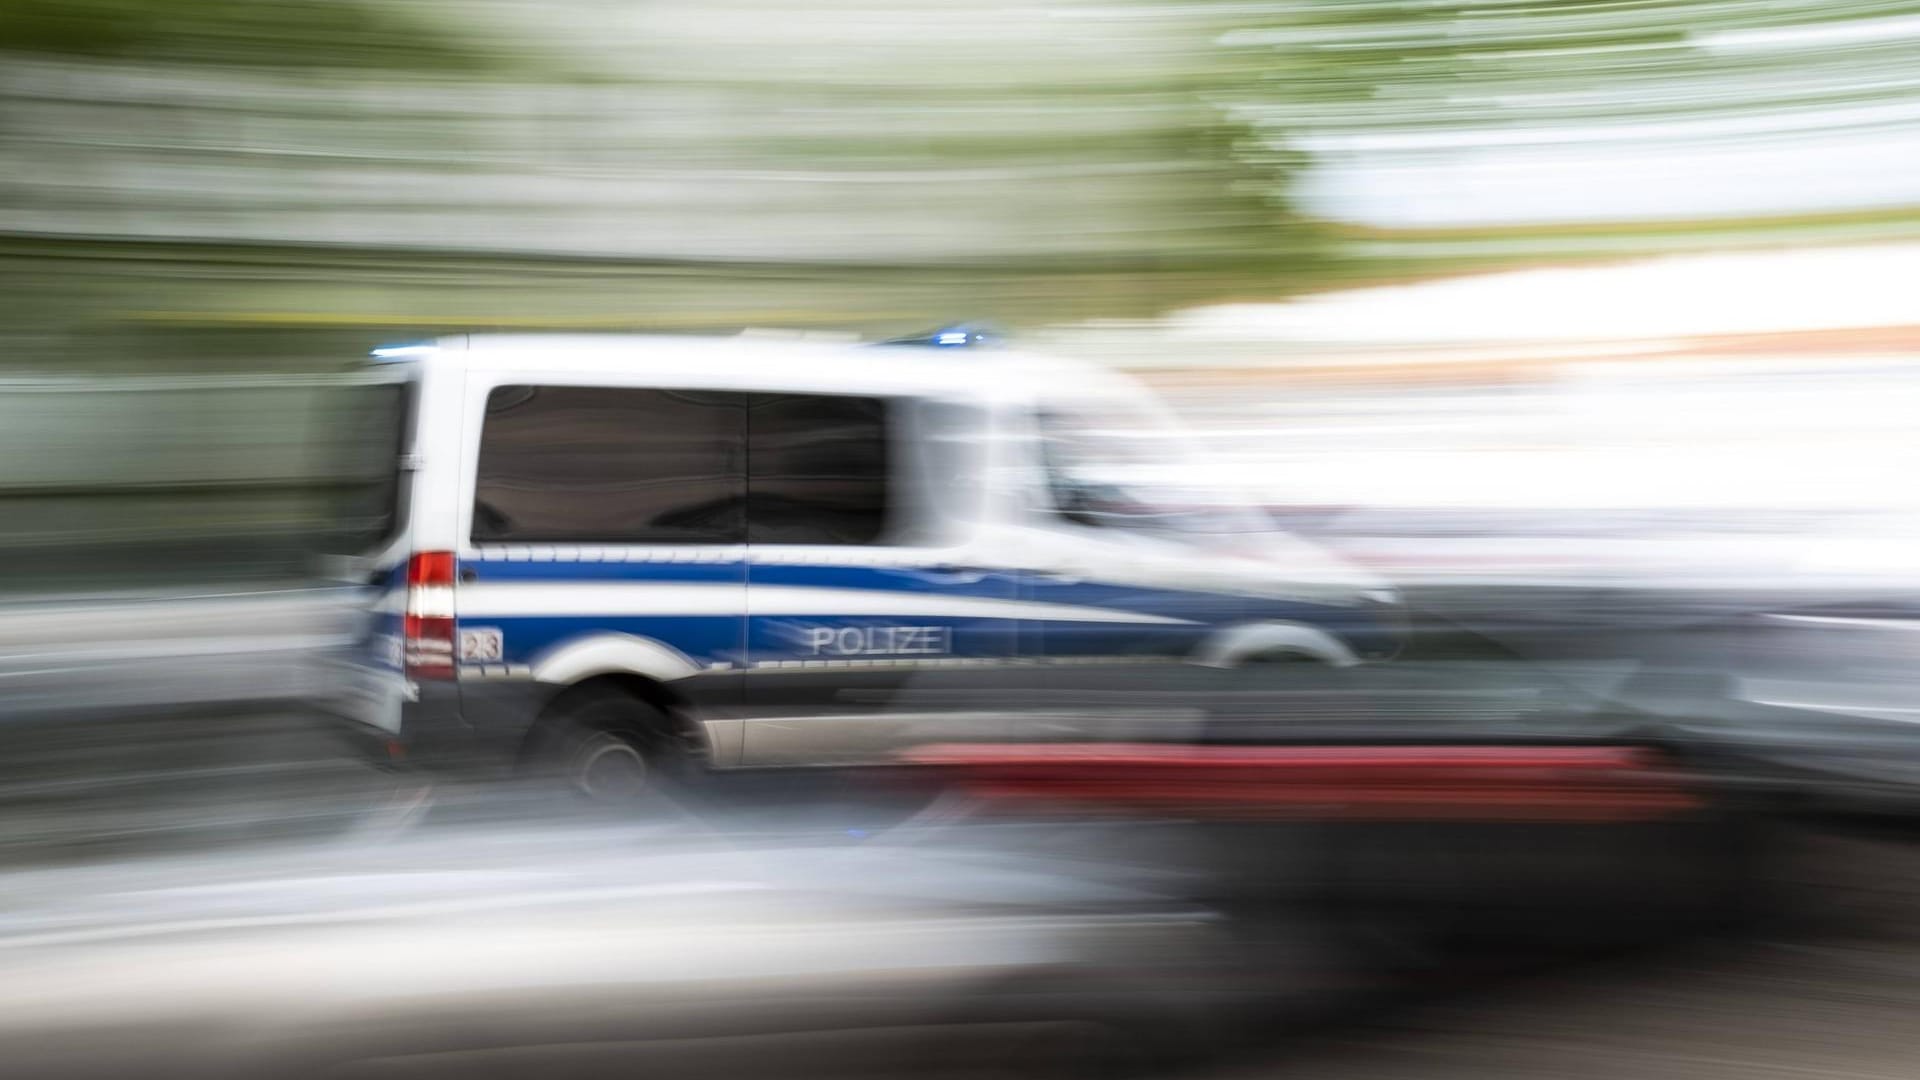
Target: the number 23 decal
pixel 481 646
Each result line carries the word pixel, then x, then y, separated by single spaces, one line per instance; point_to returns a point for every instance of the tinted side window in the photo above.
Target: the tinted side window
pixel 819 470
pixel 591 464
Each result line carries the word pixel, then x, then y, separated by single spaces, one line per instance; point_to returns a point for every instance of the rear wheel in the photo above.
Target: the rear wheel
pixel 609 768
pixel 609 748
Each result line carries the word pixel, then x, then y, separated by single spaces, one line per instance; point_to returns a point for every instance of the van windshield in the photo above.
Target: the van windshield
pixel 1122 467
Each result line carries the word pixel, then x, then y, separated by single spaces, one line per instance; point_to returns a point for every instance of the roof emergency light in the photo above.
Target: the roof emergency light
pixel 397 352
pixel 949 337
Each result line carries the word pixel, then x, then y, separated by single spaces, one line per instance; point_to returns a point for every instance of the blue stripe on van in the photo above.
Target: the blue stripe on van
pixel 703 639
pixel 717 639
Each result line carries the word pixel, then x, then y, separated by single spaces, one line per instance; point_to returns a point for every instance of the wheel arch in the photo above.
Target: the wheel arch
pixel 637 668
pixel 1234 645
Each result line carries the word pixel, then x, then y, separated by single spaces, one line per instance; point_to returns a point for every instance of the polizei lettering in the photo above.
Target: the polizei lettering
pixel 876 640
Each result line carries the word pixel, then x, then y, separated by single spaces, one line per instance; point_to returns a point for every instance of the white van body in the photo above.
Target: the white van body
pixel 797 553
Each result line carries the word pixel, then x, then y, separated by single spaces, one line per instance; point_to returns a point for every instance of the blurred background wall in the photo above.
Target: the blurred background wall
pixel 208 208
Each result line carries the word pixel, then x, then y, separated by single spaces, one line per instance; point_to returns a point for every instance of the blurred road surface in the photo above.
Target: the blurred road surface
pixel 212 872
pixel 1830 993
pixel 248 832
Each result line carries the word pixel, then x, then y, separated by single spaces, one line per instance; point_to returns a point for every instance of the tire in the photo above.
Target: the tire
pixel 608 748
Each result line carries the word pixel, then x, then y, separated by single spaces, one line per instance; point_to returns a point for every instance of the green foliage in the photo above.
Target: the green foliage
pixel 267 33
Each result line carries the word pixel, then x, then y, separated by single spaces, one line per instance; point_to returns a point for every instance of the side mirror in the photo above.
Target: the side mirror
pixel 1101 505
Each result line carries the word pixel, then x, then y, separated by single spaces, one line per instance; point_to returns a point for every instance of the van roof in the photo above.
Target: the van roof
pixel 748 362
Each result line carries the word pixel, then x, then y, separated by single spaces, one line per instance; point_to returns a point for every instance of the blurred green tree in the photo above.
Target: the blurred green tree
pixel 273 33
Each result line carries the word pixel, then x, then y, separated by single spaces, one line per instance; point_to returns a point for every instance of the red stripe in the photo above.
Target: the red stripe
pixel 1594 783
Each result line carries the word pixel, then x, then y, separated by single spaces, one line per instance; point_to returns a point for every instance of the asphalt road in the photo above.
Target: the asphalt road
pixel 1829 988
pixel 1827 985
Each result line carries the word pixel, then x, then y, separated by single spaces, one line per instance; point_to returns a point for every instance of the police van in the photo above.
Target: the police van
pixel 624 558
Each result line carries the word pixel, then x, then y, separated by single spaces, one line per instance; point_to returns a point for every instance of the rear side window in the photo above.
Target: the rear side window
pixel 598 465
pixel 372 487
pixel 562 464
pixel 819 469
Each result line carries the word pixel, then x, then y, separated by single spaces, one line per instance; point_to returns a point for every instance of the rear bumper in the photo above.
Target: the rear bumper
pixel 382 749
pixel 454 727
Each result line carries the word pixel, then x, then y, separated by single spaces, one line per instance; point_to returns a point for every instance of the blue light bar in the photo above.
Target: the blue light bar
pixel 950 337
pixel 394 352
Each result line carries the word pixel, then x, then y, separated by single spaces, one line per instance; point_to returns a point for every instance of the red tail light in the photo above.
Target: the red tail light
pixel 429 618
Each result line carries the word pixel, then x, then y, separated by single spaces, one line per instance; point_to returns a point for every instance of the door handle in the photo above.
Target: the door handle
pixel 954 575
